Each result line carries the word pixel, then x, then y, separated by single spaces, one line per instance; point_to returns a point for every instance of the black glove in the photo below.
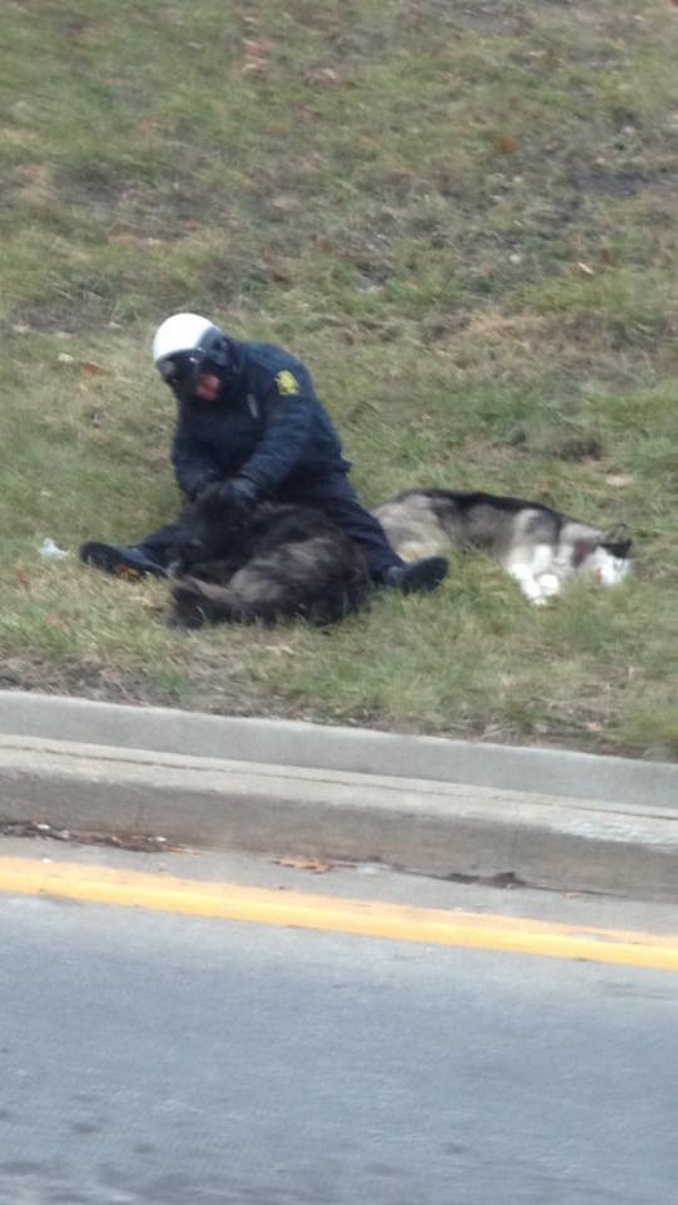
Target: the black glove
pixel 244 492
pixel 204 483
pixel 235 498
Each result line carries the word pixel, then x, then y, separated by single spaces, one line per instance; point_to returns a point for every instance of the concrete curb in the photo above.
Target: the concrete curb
pixel 562 820
pixel 315 746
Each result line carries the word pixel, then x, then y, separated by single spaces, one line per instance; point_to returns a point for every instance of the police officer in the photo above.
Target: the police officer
pixel 249 420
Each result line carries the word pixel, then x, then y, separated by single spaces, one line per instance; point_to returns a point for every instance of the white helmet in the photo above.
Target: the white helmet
pixel 183 343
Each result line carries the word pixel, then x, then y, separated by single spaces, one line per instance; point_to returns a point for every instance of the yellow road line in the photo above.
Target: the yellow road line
pixel 433 926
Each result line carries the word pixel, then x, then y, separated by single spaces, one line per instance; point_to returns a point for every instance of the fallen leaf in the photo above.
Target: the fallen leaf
pixel 323 77
pixel 285 203
pixel 619 480
pixel 256 48
pixel 150 125
pixel 254 67
pixel 279 267
pixel 305 864
pixel 506 144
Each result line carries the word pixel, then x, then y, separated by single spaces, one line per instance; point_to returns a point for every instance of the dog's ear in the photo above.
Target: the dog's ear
pixel 617 540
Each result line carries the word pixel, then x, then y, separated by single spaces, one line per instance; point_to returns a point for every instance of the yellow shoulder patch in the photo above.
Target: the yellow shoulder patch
pixel 287 382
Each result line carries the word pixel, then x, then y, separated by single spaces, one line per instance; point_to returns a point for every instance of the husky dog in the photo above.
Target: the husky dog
pixel 540 547
pixel 277 562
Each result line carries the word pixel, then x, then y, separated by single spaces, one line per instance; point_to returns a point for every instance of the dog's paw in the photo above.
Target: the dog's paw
pixel 189 610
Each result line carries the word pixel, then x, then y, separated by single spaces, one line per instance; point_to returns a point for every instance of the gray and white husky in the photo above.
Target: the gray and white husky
pixel 540 547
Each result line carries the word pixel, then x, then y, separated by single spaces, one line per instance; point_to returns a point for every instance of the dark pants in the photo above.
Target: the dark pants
pixel 335 496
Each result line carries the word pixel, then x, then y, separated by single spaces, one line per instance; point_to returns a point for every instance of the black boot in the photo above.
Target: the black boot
pixel 419 575
pixel 120 560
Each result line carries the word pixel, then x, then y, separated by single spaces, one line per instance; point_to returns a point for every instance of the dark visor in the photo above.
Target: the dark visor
pixel 183 368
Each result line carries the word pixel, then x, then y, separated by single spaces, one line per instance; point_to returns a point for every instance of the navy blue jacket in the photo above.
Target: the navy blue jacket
pixel 267 425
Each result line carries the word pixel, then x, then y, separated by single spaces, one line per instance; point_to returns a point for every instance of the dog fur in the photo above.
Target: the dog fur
pixel 539 547
pixel 276 563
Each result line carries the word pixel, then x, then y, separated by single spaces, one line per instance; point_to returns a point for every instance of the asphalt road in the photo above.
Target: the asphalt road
pixel 169 1060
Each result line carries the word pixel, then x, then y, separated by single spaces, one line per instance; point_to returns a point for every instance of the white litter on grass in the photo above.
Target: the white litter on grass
pixel 49 551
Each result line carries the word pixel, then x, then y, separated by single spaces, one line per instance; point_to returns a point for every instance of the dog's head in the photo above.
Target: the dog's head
pixel 605 558
pixel 211 529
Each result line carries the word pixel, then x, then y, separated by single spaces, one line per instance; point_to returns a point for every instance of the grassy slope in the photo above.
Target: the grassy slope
pixel 463 218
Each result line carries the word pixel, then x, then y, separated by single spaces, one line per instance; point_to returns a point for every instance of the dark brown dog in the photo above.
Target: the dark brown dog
pixel 274 562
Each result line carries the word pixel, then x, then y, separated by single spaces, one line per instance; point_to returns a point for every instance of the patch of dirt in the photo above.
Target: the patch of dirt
pixel 209 692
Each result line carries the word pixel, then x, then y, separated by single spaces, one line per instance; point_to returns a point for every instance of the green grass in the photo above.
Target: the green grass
pixel 463 218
